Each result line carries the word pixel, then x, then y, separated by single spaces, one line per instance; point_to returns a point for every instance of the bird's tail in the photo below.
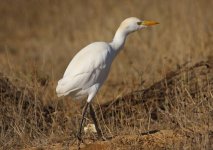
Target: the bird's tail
pixel 64 88
pixel 59 90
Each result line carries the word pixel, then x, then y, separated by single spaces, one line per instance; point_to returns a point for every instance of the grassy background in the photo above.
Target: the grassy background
pixel 38 38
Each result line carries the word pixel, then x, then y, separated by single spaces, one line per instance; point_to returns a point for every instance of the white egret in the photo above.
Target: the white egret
pixel 89 68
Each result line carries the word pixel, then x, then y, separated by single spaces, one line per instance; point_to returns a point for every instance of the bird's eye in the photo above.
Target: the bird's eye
pixel 139 23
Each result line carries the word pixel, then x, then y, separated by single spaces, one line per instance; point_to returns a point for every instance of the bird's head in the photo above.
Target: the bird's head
pixel 133 24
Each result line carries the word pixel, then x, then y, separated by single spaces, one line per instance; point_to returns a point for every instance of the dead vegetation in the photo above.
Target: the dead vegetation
pixel 159 91
pixel 22 114
pixel 181 103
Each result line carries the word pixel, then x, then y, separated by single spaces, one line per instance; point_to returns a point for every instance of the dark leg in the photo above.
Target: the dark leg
pixel 82 121
pixel 93 115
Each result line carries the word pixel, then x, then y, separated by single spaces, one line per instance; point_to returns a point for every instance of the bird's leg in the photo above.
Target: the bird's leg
pixel 82 121
pixel 97 127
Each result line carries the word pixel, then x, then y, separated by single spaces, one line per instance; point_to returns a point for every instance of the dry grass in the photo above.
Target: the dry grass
pixel 38 39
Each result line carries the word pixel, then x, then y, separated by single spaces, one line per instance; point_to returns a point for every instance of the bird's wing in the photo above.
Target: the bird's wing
pixel 91 57
pixel 85 68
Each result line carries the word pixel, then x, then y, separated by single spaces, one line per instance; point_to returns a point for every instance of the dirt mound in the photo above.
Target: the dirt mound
pixel 164 139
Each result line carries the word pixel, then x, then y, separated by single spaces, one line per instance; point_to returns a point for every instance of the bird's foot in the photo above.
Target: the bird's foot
pixel 80 140
pixel 79 137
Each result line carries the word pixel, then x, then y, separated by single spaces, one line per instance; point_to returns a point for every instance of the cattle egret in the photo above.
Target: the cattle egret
pixel 89 68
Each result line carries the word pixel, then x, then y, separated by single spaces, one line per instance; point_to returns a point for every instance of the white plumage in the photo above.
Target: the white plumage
pixel 90 67
pixel 87 71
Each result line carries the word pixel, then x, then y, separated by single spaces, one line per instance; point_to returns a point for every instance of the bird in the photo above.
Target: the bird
pixel 90 67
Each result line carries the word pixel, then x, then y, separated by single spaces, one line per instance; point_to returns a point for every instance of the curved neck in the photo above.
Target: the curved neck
pixel 118 40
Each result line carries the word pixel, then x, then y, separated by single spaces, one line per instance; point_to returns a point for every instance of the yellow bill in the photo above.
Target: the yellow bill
pixel 149 23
